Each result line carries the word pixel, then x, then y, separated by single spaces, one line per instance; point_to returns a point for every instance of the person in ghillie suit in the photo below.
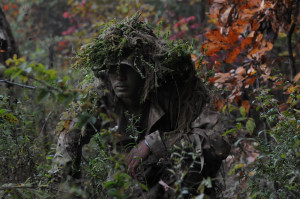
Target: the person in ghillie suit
pixel 154 80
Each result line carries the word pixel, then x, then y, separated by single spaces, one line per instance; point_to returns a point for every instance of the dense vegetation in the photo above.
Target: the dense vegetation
pixel 246 51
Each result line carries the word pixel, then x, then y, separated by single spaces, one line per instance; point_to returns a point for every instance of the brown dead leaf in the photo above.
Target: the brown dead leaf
pixel 255 25
pixel 222 77
pixel 194 57
pixel 253 3
pixel 240 70
pixel 251 71
pixel 296 78
pixel 250 80
pixel 254 51
pixel 283 107
pixel 220 104
pixel 250 11
pixel 219 1
pixel 259 37
pixel 225 18
pixel 278 83
pixel 246 105
pixel 241 22
pixel 290 89
pixel 212 79
pixel 269 46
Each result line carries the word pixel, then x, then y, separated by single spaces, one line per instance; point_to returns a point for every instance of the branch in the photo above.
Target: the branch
pixel 46 120
pixel 290 50
pixel 17 187
pixel 44 83
pixel 289 43
pixel 16 84
pixel 14 186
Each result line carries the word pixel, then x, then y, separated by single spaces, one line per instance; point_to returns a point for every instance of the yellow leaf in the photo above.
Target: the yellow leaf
pixel 291 89
pixel 251 71
pixel 297 77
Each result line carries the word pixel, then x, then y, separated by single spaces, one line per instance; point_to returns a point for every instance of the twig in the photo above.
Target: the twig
pixel 45 122
pixel 16 84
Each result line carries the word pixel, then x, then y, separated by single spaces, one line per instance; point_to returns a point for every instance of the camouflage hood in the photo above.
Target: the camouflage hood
pixel 156 60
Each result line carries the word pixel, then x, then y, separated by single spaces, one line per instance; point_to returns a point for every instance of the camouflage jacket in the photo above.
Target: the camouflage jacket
pixel 157 125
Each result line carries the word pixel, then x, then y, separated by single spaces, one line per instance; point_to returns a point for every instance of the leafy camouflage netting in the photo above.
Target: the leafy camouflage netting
pixel 154 59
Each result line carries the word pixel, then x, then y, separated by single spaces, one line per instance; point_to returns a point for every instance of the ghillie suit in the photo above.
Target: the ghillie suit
pixel 175 102
pixel 165 66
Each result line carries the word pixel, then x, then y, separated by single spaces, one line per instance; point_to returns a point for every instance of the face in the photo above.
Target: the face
pixel 125 81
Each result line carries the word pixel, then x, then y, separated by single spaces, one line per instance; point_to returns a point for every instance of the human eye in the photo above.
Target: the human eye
pixel 112 69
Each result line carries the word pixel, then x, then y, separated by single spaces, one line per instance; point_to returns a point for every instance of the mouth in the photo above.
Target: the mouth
pixel 120 86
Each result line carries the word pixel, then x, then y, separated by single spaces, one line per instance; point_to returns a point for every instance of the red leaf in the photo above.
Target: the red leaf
pixel 250 80
pixel 215 36
pixel 190 18
pixel 232 37
pixel 246 105
pixel 5 7
pixel 232 55
pixel 246 42
pixel 212 79
pixel 255 25
pixel 220 104
pixel 66 15
pixel 212 48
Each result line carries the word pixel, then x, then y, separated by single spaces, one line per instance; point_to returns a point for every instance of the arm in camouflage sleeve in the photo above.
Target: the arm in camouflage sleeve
pixel 68 154
pixel 209 126
pixel 156 144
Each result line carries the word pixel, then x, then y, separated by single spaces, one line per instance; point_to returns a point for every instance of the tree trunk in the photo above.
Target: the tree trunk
pixel 8 45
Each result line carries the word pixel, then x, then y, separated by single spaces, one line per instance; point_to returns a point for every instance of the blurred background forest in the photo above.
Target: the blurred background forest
pixel 247 52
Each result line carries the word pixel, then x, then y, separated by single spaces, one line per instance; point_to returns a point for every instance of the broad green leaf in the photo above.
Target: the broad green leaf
pixel 229 131
pixel 232 108
pixel 239 126
pixel 224 109
pixel 243 111
pixel 250 125
pixel 2 111
pixel 239 119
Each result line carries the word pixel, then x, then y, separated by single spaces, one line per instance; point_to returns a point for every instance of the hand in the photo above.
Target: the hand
pixel 136 155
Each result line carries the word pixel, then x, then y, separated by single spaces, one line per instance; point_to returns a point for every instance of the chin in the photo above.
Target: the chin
pixel 122 95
